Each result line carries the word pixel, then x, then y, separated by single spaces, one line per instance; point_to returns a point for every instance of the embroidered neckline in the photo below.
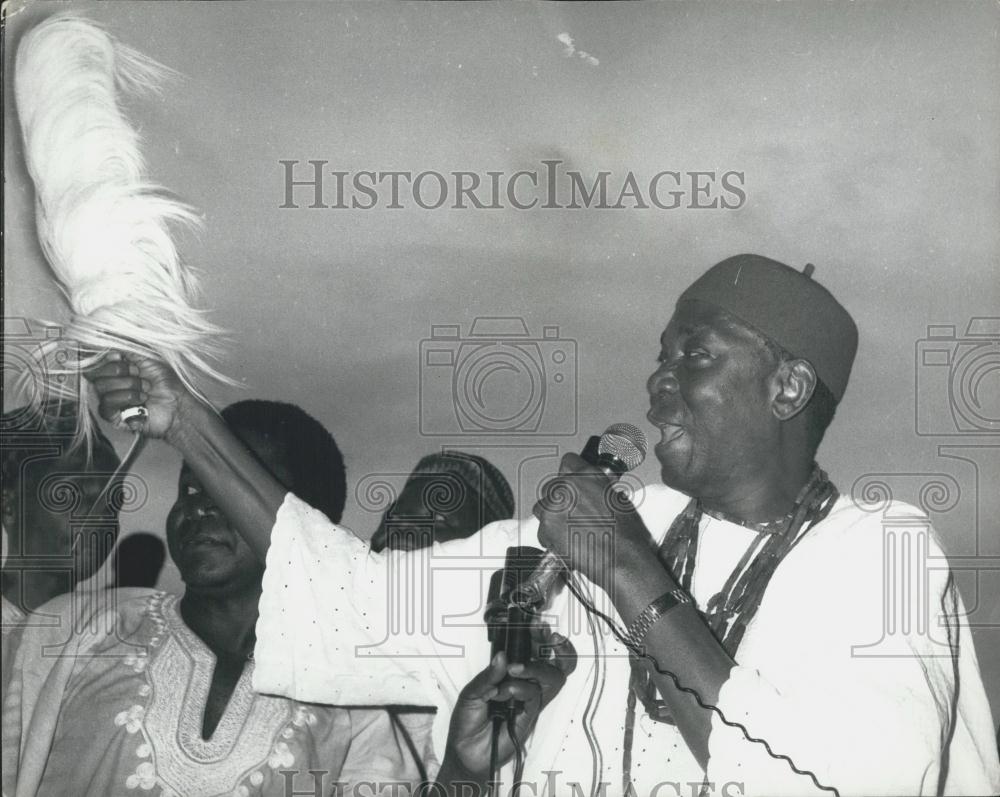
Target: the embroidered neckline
pixel 252 734
pixel 195 695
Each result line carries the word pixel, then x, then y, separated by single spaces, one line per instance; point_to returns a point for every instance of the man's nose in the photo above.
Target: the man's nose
pixel 662 380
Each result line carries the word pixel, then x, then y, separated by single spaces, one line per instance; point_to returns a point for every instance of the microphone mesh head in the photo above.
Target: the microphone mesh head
pixel 624 442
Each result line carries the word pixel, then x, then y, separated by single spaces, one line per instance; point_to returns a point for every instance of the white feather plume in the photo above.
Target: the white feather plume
pixel 103 226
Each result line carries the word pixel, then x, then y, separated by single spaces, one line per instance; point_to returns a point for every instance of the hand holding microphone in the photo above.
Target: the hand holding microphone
pixel 585 523
pixel 521 648
pixel 470 754
pixel 522 587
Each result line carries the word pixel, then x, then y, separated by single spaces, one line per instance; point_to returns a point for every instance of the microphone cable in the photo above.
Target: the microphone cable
pixel 509 720
pixel 593 701
pixel 694 692
pixel 491 784
pixel 518 754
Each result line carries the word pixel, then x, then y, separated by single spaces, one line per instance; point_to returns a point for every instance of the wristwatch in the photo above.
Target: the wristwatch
pixel 647 617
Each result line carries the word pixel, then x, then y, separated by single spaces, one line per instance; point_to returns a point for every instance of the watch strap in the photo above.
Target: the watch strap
pixel 648 617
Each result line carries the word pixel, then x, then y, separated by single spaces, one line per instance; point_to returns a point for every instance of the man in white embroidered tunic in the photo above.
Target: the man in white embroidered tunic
pixel 748 578
pixel 147 692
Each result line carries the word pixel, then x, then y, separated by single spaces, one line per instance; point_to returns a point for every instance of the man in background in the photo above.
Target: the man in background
pixel 448 496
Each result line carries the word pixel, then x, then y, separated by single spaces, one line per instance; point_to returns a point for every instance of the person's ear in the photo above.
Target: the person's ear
pixel 794 383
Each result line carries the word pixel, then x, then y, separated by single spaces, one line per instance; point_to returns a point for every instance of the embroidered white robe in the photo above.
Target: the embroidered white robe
pixel 107 700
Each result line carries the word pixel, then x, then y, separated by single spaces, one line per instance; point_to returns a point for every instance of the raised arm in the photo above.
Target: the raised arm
pixel 231 474
pixel 331 626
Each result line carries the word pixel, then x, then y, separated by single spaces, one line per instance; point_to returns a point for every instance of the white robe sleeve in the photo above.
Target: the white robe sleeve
pixel 880 692
pixel 344 626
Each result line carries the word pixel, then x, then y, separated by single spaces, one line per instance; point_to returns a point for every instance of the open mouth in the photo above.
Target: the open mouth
pixel 668 431
pixel 671 431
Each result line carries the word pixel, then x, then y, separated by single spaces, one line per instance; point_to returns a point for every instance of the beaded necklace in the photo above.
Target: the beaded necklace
pixel 731 610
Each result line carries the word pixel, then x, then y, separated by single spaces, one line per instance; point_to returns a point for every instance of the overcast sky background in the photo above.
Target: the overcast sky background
pixel 867 133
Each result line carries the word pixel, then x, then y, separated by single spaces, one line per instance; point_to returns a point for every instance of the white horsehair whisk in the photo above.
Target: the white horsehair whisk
pixel 104 226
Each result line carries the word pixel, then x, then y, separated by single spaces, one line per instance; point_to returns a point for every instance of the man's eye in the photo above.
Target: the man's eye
pixel 191 490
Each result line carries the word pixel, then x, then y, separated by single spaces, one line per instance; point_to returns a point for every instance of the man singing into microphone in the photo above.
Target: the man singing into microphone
pixel 748 581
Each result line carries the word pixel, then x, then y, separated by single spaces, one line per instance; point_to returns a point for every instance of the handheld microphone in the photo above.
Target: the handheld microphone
pixel 509 625
pixel 620 449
